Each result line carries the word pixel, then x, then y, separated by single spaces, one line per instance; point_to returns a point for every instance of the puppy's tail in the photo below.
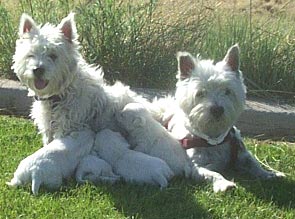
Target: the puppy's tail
pixel 36 182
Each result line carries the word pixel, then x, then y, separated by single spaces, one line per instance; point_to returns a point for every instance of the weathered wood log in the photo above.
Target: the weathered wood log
pixel 14 99
pixel 265 120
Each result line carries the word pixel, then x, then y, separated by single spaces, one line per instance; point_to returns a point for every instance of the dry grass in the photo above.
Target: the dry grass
pixel 136 40
pixel 259 7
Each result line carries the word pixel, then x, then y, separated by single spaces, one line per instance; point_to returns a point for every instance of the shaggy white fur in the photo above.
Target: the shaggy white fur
pixel 208 100
pixel 93 169
pixel 70 94
pixel 59 161
pixel 133 166
pixel 150 137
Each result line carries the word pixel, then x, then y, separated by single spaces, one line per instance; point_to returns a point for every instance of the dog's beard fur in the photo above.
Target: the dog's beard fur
pixel 46 57
pixel 211 96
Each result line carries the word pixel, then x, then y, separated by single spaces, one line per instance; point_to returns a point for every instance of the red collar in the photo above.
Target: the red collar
pixel 197 142
pixel 231 139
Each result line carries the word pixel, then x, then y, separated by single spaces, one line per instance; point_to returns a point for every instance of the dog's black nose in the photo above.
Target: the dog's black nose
pixel 38 72
pixel 216 111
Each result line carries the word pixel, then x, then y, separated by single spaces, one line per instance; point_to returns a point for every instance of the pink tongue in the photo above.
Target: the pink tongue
pixel 40 84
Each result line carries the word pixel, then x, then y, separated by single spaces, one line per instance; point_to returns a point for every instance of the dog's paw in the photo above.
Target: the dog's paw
pixel 272 175
pixel 162 175
pixel 223 185
pixel 14 182
pixel 280 175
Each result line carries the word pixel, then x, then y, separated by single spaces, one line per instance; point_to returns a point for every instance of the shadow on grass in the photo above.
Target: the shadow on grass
pixel 176 201
pixel 279 191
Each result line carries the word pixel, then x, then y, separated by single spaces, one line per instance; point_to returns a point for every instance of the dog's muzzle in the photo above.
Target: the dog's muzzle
pixel 39 82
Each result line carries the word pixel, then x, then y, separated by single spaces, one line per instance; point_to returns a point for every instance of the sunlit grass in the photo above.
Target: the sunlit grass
pixel 182 199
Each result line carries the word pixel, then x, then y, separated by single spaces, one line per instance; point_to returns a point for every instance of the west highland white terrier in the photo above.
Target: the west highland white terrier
pixel 132 165
pixel 208 100
pixel 70 95
pixel 54 167
pixel 93 169
pixel 148 136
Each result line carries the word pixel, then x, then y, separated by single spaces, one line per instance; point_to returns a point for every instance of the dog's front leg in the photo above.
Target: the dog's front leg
pixel 53 162
pixel 220 184
pixel 246 162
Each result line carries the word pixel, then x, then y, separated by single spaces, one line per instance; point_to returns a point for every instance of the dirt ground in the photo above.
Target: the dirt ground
pixel 261 6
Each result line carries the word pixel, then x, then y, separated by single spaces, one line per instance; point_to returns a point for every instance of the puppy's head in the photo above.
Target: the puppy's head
pixel 133 116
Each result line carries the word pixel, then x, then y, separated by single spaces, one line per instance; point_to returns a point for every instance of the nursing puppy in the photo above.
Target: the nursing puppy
pixel 54 167
pixel 94 170
pixel 148 136
pixel 132 165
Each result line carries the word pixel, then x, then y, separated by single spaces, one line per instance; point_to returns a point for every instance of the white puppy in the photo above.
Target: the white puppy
pixel 150 137
pixel 57 163
pixel 93 169
pixel 133 166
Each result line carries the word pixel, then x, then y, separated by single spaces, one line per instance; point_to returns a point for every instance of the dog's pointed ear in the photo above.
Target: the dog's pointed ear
pixel 232 58
pixel 68 28
pixel 186 65
pixel 27 25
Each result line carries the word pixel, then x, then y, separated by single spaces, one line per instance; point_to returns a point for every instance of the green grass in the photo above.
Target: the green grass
pixel 136 41
pixel 182 199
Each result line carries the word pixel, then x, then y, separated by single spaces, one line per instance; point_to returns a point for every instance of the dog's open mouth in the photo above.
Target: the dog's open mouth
pixel 40 83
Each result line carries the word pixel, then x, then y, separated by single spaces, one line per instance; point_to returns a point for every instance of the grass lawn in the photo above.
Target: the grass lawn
pixel 182 199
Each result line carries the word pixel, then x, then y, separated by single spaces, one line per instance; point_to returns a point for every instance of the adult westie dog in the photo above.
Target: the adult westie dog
pixel 209 98
pixel 70 95
pixel 150 137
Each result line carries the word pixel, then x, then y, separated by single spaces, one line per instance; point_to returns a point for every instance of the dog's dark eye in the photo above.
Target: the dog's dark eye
pixel 30 56
pixel 227 91
pixel 53 57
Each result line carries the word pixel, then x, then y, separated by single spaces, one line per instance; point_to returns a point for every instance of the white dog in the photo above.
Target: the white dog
pixel 55 165
pixel 132 165
pixel 150 137
pixel 93 169
pixel 208 100
pixel 70 95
